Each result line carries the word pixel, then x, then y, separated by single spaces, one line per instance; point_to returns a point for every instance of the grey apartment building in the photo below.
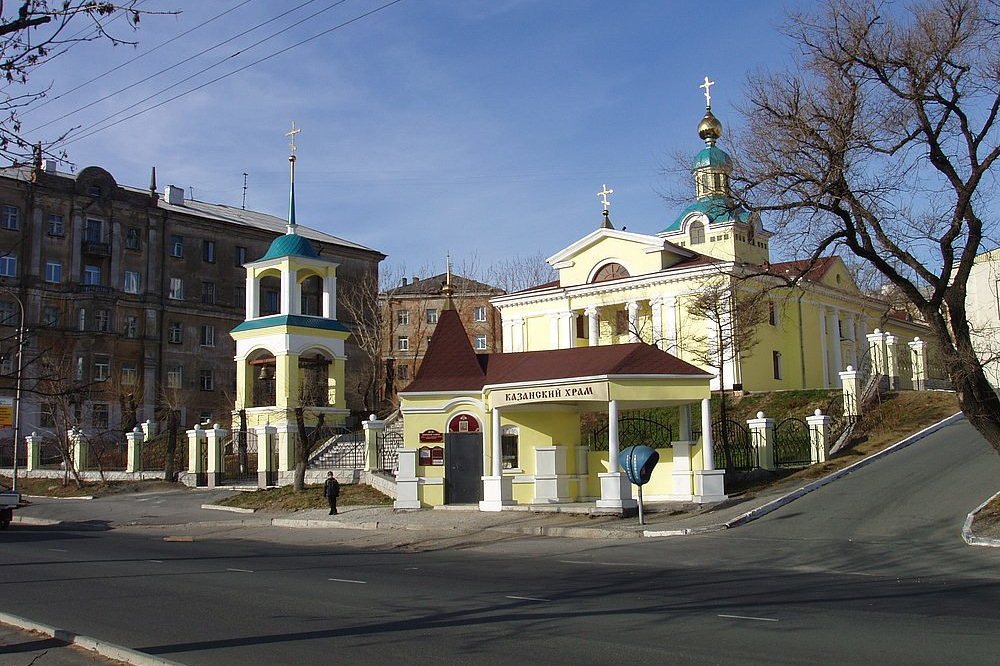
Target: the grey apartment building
pixel 132 293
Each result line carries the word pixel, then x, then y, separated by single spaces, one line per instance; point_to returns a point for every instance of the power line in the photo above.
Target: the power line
pixel 186 60
pixel 49 100
pixel 90 131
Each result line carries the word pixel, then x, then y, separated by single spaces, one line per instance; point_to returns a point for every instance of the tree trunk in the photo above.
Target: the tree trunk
pixel 169 472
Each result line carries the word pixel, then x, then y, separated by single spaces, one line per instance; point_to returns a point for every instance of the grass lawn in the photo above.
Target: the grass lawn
pixel 55 487
pixel 286 499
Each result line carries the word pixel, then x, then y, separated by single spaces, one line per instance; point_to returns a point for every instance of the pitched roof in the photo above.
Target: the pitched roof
pixel 290 245
pixel 450 362
pixel 808 269
pixel 432 285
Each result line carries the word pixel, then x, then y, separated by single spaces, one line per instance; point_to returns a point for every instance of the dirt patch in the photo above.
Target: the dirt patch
pixel 56 488
pixel 987 521
pixel 286 499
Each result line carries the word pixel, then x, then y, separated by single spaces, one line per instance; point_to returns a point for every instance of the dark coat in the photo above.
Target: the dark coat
pixel 331 488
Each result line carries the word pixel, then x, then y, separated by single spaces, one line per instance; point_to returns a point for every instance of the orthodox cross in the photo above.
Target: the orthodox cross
pixel 707 85
pixel 292 134
pixel 604 197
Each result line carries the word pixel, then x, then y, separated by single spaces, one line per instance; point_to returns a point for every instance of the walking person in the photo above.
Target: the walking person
pixel 331 490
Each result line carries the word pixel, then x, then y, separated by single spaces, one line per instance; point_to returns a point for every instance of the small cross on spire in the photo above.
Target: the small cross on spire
pixel 604 197
pixel 292 134
pixel 707 85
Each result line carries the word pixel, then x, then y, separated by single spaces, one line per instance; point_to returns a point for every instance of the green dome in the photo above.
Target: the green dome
pixel 711 156
pixel 290 245
pixel 716 209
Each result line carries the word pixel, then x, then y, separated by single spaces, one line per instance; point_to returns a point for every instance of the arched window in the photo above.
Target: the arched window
pixel 697 233
pixel 610 271
pixel 312 296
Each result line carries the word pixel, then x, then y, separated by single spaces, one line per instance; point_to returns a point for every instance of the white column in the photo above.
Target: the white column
pixel 287 293
pixel 567 326
pixel 498 490
pixel 657 311
pixel 593 327
pixel 684 423
pixel 670 323
pixel 824 345
pixel 707 444
pixel 852 333
pixel 508 335
pixel 553 331
pixel 517 335
pixel 633 321
pixel 838 359
pixel 613 436
pixel 330 297
pixel 253 297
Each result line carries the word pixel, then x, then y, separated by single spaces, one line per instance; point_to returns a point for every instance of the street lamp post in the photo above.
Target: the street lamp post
pixel 17 390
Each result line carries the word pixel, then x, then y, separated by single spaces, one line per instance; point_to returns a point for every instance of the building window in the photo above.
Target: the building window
pixel 132 239
pixel 81 319
pixel 102 321
pixel 79 369
pixel 508 447
pixel 240 256
pixel 208 293
pixel 100 414
pixel 8 312
pixel 272 302
pixel 479 313
pixel 697 232
pixel 176 289
pixel 175 334
pixel 480 343
pixel 772 314
pixel 92 275
pixel 8 266
pixel 207 380
pixel 92 231
pixel 130 375
pixel 208 251
pixel 8 217
pixel 56 226
pixel 581 327
pixel 402 317
pixel 403 343
pixel 131 329
pixel 175 377
pixel 47 417
pixel 402 371
pixel 102 367
pixel 621 322
pixel 776 363
pixel 132 282
pixel 53 271
pixel 207 336
pixel 239 296
pixel 611 271
pixel 432 315
pixel 94 190
pixel 176 246
pixel 50 316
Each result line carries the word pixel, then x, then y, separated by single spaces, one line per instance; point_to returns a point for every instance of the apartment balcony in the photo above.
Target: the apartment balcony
pixel 96 248
pixel 98 289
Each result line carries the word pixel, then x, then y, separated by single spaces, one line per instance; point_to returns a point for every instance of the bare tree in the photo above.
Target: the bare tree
pixel 305 444
pixel 520 272
pixel 40 31
pixel 883 141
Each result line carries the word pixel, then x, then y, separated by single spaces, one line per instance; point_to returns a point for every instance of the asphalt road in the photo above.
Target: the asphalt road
pixel 869 568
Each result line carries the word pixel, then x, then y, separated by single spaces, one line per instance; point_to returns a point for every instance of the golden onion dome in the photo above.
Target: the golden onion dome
pixel 709 129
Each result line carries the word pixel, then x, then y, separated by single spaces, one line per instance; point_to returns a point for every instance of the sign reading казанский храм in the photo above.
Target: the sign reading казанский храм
pixel 597 391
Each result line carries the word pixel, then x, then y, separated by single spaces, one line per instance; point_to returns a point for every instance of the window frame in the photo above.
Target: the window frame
pixel 209 374
pixel 207 335
pixel 175 289
pixel 175 377
pixel 56 225
pixel 133 241
pixel 176 246
pixel 10 217
pixel 53 271
pixel 476 343
pixel 8 266
pixel 92 275
pixel 208 251
pixel 136 282
pixel 175 333
pixel 431 315
pixel 479 313
pixel 102 367
pixel 402 343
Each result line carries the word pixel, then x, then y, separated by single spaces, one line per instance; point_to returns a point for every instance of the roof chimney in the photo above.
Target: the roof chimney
pixel 402 282
pixel 415 279
pixel 174 195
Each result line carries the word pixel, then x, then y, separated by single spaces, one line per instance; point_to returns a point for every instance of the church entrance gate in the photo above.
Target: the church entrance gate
pixel 463 467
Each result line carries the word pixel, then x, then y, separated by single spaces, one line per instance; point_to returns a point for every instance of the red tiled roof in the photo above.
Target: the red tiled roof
pixel 450 361
pixel 809 269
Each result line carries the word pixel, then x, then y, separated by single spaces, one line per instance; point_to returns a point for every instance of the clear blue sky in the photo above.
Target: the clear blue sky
pixel 475 126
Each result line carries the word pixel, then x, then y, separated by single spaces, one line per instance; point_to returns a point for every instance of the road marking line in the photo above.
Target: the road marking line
pixel 747 617
pixel 59 550
pixel 184 539
pixel 511 596
pixel 240 570
pixel 410 568
pixel 157 561
pixel 346 580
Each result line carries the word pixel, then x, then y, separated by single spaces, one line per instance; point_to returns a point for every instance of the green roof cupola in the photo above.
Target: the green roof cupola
pixel 712 165
pixel 291 244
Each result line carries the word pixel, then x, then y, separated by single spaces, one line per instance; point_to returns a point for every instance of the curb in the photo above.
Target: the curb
pixel 103 648
pixel 28 520
pixel 971 538
pixel 53 497
pixel 306 523
pixel 232 509
pixel 779 502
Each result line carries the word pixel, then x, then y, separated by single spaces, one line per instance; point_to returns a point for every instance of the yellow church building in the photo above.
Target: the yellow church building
pixel 617 286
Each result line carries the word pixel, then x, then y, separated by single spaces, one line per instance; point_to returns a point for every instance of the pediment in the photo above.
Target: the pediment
pixel 622 242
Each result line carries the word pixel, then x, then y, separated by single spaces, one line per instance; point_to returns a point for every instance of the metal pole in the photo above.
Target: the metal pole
pixel 642 519
pixel 17 392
